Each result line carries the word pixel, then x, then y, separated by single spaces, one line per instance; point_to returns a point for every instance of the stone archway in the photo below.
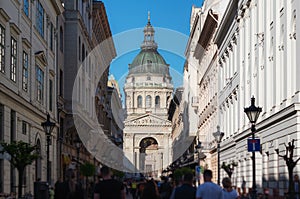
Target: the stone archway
pixel 148 160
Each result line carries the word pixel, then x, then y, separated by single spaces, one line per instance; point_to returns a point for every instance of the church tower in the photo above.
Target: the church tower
pixel 148 90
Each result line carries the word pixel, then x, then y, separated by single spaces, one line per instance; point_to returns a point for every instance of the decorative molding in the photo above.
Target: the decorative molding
pixel 26 42
pixel 14 28
pixel 4 15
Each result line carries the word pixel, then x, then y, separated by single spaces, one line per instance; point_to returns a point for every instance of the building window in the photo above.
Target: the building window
pixel 40 84
pixel 61 82
pixel 139 101
pixel 2 49
pixel 24 127
pixel 26 7
pixel 40 18
pixel 79 51
pixel 148 101
pixel 1 123
pixel 51 36
pixel 50 95
pixel 157 102
pixel 13 60
pixel 61 39
pixel 148 78
pixel 25 72
pixel 82 53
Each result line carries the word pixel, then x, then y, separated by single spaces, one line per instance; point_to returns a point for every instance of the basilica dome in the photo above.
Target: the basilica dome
pixel 149 60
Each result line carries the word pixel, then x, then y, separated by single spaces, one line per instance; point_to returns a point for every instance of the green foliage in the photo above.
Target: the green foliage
pixel 87 169
pixel 178 173
pixel 21 153
pixel 118 174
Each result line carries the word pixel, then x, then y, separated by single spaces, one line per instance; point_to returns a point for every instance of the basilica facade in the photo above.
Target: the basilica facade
pixel 148 90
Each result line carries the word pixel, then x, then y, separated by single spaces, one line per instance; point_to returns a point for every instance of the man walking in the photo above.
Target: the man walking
pixel 108 188
pixel 186 190
pixel 209 190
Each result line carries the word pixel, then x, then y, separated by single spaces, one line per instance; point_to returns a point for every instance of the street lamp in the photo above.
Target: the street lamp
pixel 78 146
pixel 48 127
pixel 198 148
pixel 252 113
pixel 218 137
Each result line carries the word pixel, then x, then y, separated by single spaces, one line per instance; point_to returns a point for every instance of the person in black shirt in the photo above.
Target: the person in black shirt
pixel 108 188
pixel 68 189
pixel 186 190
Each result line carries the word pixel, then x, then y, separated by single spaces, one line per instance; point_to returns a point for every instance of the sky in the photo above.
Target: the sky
pixel 171 21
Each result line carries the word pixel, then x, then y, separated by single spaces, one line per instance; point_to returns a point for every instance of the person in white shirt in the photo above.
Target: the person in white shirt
pixel 209 190
pixel 228 191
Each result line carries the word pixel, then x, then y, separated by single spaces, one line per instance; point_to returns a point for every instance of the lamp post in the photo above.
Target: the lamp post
pixel 48 127
pixel 252 113
pixel 78 146
pixel 198 148
pixel 218 137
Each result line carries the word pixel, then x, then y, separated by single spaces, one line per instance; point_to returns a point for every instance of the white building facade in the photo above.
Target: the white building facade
pixel 201 77
pixel 257 57
pixel 28 37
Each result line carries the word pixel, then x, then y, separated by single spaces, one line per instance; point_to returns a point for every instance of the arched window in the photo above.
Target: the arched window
pixel 139 101
pixel 148 101
pixel 157 102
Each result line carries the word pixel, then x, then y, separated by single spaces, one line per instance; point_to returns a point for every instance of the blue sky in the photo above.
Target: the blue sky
pixel 168 17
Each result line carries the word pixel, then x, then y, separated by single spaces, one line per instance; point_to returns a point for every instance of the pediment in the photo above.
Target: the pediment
pixel 147 120
pixel 41 57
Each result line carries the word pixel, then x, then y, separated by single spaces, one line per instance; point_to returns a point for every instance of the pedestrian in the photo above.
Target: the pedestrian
pixel 228 191
pixel 165 189
pixel 133 189
pixel 68 189
pixel 51 192
pixel 58 189
pixel 296 186
pixel 108 188
pixel 186 190
pixel 243 186
pixel 150 190
pixel 208 190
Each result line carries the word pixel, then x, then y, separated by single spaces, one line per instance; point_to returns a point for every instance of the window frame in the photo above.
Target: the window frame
pixel 157 101
pixel 139 101
pixel 148 101
pixel 2 49
pixel 25 67
pixel 26 7
pixel 13 59
pixel 40 14
pixel 39 84
pixel 50 95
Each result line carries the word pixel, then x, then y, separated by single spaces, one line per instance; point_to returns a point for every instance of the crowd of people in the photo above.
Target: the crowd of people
pixel 109 188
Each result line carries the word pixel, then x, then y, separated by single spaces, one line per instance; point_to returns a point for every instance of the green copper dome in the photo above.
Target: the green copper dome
pixel 149 60
pixel 146 57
